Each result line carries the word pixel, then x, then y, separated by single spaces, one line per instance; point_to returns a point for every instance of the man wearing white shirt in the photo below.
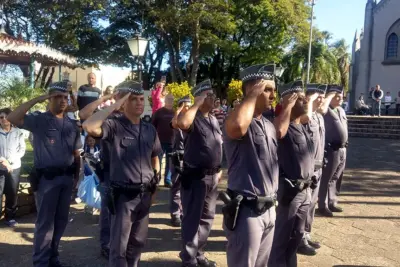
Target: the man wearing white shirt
pixel 388 102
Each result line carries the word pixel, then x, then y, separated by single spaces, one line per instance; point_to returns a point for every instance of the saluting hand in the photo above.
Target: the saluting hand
pixel 289 101
pixel 312 97
pixel 257 89
pixel 118 104
pixel 199 100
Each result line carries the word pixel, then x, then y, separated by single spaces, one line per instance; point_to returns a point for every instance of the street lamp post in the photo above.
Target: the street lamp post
pixel 138 46
pixel 312 2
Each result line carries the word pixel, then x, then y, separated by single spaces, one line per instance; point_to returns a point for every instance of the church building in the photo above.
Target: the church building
pixel 376 51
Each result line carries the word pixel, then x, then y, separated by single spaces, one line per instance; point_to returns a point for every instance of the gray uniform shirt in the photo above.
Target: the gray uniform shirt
pixel 253 161
pixel 132 146
pixel 336 126
pixel 203 147
pixel 296 153
pixel 316 129
pixel 105 145
pixel 54 139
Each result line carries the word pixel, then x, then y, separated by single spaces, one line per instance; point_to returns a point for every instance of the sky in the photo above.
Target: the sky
pixel 340 17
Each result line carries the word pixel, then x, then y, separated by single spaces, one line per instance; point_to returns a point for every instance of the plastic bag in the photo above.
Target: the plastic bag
pixel 88 193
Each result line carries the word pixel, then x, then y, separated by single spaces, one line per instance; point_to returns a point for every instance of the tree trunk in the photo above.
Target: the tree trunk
pixel 44 76
pixel 172 64
pixel 177 63
pixel 195 54
pixel 50 77
pixel 38 76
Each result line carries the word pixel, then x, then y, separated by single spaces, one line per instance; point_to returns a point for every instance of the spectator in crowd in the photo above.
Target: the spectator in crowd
pixel 90 145
pixel 361 107
pixel 398 103
pixel 218 112
pixel 371 91
pixel 89 92
pixel 109 101
pixel 12 149
pixel 235 103
pixel 161 121
pixel 377 95
pixel 224 105
pixel 157 96
pixel 388 102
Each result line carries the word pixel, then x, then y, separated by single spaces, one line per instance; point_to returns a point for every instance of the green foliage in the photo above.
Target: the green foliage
pixel 234 91
pixel 15 92
pixel 179 91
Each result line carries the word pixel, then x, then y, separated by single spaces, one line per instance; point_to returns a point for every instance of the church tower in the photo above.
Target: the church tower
pixel 364 66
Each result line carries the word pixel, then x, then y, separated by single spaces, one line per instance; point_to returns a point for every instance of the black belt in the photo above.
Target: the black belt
pixel 50 173
pixel 199 172
pixel 338 146
pixel 300 184
pixel 130 189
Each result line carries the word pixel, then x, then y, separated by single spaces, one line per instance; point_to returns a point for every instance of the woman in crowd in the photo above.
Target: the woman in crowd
pixel 12 149
pixel 157 96
pixel 110 101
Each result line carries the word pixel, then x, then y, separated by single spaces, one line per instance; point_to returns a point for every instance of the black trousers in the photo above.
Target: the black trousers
pixel 9 183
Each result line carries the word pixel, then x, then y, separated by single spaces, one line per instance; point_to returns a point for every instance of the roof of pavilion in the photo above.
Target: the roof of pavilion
pixel 16 51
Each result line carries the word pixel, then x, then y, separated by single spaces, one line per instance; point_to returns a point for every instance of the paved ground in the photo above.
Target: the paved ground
pixel 366 234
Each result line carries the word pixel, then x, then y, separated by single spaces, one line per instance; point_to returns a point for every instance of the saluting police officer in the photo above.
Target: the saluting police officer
pixel 176 164
pixel 250 144
pixel 296 162
pixel 315 96
pixel 336 141
pixel 103 172
pixel 57 142
pixel 202 171
pixel 134 149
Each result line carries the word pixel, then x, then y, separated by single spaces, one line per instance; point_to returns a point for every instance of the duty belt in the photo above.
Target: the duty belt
pixel 130 189
pixel 338 146
pixel 50 173
pixel 259 204
pixel 300 184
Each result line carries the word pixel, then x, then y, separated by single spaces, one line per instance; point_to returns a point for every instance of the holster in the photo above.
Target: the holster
pixel 314 182
pixel 292 187
pixel 154 182
pixel 100 170
pixel 230 209
pixel 34 179
pixel 109 196
pixel 258 204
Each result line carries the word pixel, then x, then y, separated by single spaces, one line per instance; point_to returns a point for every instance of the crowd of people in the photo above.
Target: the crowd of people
pixel 281 165
pixel 376 97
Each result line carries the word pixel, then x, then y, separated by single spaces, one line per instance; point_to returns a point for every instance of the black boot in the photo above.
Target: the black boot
pixel 334 208
pixel 305 249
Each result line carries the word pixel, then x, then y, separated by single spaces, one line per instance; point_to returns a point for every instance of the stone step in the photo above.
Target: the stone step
pixel 374 135
pixel 376 122
pixel 375 126
pixel 373 130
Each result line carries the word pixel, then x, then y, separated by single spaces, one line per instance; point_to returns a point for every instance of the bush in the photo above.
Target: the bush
pixel 15 92
pixel 179 91
pixel 234 91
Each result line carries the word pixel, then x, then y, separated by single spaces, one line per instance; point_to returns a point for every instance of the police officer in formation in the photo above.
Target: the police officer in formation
pixel 315 96
pixel 103 173
pixel 250 142
pixel 134 171
pixel 296 163
pixel 176 164
pixel 201 174
pixel 336 141
pixel 57 142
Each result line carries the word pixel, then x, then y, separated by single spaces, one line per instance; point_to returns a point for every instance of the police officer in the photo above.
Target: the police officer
pixel 57 142
pixel 296 163
pixel 250 144
pixel 202 171
pixel 315 96
pixel 134 147
pixel 103 172
pixel 336 141
pixel 176 164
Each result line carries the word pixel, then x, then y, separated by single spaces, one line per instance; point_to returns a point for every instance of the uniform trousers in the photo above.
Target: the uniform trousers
pixel 289 230
pixel 198 204
pixel 175 204
pixel 331 180
pixel 9 184
pixel 129 228
pixel 250 243
pixel 105 216
pixel 313 202
pixel 53 199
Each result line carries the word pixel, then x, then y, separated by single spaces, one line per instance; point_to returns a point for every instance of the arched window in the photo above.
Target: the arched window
pixel 392 46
